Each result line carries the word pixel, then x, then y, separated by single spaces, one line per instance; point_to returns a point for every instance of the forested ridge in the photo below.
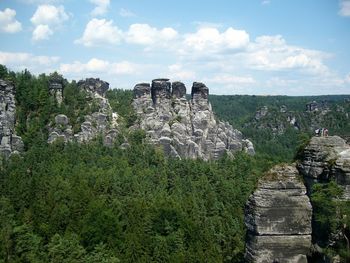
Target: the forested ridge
pixel 70 202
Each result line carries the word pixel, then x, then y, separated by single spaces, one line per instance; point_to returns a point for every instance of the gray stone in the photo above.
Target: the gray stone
pixel 94 86
pixel 326 158
pixel 191 125
pixel 9 141
pixel 142 89
pixel 61 119
pixel 178 90
pixel 278 218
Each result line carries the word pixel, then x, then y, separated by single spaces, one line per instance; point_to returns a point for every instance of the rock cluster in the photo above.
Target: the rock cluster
pixel 185 129
pixel 103 121
pixel 326 158
pixel 9 141
pixel 278 218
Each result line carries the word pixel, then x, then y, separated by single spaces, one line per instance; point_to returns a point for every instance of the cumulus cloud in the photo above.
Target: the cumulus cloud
pixel 101 7
pixel 22 60
pixel 42 32
pixel 100 32
pixel 95 65
pixel 344 8
pixel 8 22
pixel 272 53
pixel 144 34
pixel 46 19
pixel 210 39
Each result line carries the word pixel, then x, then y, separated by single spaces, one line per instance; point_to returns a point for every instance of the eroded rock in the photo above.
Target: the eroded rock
pixel 278 218
pixel 9 141
pixel 194 132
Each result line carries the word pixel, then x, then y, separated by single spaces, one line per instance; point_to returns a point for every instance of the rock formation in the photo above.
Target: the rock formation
pixel 10 142
pixel 185 129
pixel 103 121
pixel 278 218
pixel 326 158
pixel 56 87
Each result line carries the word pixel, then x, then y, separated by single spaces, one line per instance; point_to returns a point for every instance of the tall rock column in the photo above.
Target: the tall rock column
pixel 278 219
pixel 9 141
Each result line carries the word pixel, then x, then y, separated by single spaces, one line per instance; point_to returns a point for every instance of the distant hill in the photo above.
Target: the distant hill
pixel 278 124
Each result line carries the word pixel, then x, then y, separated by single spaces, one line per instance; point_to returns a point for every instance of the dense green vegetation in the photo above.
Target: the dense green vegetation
pixel 331 219
pixel 273 135
pixel 90 203
pixel 133 205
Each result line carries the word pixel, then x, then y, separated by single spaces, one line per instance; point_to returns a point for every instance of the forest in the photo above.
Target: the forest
pixel 70 202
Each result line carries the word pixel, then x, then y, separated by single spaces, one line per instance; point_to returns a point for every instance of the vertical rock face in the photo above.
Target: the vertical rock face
pixel 326 158
pixel 185 129
pixel 278 218
pixel 94 86
pixel 9 141
pixel 56 88
pixel 103 121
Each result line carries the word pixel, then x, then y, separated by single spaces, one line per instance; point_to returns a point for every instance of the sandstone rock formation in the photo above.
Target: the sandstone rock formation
pixel 326 158
pixel 9 141
pixel 104 121
pixel 56 87
pixel 185 129
pixel 278 218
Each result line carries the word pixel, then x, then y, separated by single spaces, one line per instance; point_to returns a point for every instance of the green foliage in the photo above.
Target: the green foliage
pixel 121 102
pixel 134 205
pixel 332 219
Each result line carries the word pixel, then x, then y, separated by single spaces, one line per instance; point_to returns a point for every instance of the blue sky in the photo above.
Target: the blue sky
pixel 288 47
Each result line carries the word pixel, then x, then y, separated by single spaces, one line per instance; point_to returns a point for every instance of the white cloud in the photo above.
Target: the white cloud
pixel 22 60
pixel 42 32
pixel 101 7
pixel 231 79
pixel 126 13
pixel 176 71
pixel 46 19
pixel 344 8
pixel 49 15
pixel 100 32
pixel 144 34
pixel 210 40
pixel 272 53
pixel 95 65
pixel 8 23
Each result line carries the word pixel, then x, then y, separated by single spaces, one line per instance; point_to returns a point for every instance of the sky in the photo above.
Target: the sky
pixel 262 47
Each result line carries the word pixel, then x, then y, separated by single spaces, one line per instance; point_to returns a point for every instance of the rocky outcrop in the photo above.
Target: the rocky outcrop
pixel 278 218
pixel 185 129
pixel 56 83
pixel 326 158
pixel 104 121
pixel 9 141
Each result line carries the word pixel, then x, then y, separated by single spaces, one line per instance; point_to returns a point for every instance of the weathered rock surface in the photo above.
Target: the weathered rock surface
pixel 56 87
pixel 185 129
pixel 9 141
pixel 104 121
pixel 326 158
pixel 278 218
